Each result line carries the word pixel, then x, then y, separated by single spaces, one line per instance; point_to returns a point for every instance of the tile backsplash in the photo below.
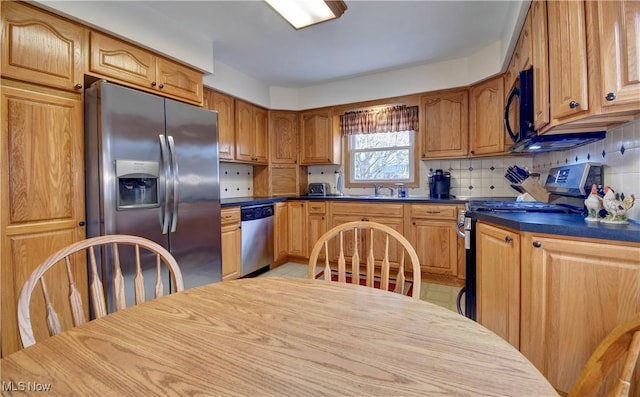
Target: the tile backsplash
pixel 469 177
pixel 619 152
pixel 484 177
pixel 236 180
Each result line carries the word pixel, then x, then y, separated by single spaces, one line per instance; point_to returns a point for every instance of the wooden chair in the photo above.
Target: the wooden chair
pixel 376 238
pixel 141 246
pixel 624 339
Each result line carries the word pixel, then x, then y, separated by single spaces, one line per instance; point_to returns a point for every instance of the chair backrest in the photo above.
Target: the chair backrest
pixel 141 247
pixel 623 340
pixel 377 243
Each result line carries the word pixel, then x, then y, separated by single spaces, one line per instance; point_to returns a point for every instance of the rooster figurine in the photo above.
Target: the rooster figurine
pixel 617 206
pixel 593 204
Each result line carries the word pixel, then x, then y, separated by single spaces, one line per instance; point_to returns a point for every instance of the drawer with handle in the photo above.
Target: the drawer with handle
pixel 317 207
pixel 434 211
pixel 230 215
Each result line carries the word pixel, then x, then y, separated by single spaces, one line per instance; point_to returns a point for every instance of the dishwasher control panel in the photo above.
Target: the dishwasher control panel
pixel 256 212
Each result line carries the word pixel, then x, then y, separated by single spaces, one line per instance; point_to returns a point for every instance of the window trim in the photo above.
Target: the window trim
pixel 349 183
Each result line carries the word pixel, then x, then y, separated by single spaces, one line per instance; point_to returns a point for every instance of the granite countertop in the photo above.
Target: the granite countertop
pixel 561 224
pixel 245 201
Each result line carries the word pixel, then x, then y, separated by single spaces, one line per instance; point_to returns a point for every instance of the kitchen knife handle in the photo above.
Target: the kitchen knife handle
pixel 167 192
pixel 176 183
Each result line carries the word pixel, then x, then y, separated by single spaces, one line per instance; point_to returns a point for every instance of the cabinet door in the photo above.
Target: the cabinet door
pixel 42 188
pixel 113 58
pixel 540 60
pixel 619 52
pixel 364 239
pixel 224 105
pixel 297 241
pixel 573 294
pixel 41 48
pixel 567 58
pixel 283 130
pixel 176 80
pixel 231 239
pixel 261 135
pixel 318 142
pixel 281 217
pixel 498 281
pixel 445 124
pixel 244 131
pixel 486 111
pixel 317 227
pixel 436 243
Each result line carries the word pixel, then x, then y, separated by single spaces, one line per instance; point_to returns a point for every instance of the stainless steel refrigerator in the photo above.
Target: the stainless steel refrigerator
pixel 152 170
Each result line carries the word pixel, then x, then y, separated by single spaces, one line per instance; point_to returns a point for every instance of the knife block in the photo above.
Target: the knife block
pixel 532 187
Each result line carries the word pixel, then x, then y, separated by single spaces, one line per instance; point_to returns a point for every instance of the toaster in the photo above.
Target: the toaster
pixel 318 189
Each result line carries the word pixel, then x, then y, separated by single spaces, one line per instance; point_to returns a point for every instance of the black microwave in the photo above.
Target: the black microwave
pixel 518 122
pixel 518 112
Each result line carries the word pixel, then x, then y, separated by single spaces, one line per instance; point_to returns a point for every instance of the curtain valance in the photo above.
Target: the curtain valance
pixel 388 119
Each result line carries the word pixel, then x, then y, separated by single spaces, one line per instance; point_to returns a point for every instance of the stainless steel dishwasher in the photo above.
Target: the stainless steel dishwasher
pixel 257 237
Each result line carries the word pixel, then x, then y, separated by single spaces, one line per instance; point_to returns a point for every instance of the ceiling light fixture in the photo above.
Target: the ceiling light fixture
pixel 303 13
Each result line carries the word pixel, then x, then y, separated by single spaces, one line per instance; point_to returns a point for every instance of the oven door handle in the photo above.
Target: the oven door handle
pixel 460 230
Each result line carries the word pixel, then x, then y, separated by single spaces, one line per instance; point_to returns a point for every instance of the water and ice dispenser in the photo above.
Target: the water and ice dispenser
pixel 137 184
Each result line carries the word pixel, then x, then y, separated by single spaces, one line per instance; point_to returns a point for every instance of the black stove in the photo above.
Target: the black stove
pixel 518 206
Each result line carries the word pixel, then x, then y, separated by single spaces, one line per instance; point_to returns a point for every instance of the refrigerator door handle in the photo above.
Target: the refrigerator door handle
pixel 176 183
pixel 167 187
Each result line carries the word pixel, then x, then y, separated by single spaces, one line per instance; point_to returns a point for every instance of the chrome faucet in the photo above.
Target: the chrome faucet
pixel 376 189
pixel 390 191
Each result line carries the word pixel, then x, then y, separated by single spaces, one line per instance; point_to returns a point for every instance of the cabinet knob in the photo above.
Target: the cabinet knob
pixel 153 84
pixel 573 104
pixel 78 86
pixel 472 152
pixel 537 244
pixel 81 223
pixel 161 86
pixel 508 239
pixel 364 219
pixel 610 96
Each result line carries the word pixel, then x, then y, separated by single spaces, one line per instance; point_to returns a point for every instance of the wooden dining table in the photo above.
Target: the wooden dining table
pixel 276 337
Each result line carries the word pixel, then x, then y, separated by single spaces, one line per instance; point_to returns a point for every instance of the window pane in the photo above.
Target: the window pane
pixel 382 140
pixel 381 165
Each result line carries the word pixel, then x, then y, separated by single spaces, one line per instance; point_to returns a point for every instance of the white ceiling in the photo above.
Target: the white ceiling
pixel 371 36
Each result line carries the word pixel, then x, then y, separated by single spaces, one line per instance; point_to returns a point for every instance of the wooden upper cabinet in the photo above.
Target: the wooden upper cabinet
pixel 178 80
pixel 486 131
pixel 617 28
pixel 444 124
pixel 118 60
pixel 225 106
pixel 251 133
pixel 319 138
pixel 521 58
pixel 540 61
pixel 283 132
pixel 41 48
pixel 567 59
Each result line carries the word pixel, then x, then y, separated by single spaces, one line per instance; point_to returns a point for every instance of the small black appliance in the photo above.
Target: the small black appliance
pixel 439 184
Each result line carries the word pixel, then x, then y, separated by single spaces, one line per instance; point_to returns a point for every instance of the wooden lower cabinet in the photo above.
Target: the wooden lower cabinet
pixel 231 238
pixel 431 229
pixel 281 220
pixel 42 196
pixel 343 213
pixel 317 223
pixel 498 281
pixel 574 292
pixel 297 230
